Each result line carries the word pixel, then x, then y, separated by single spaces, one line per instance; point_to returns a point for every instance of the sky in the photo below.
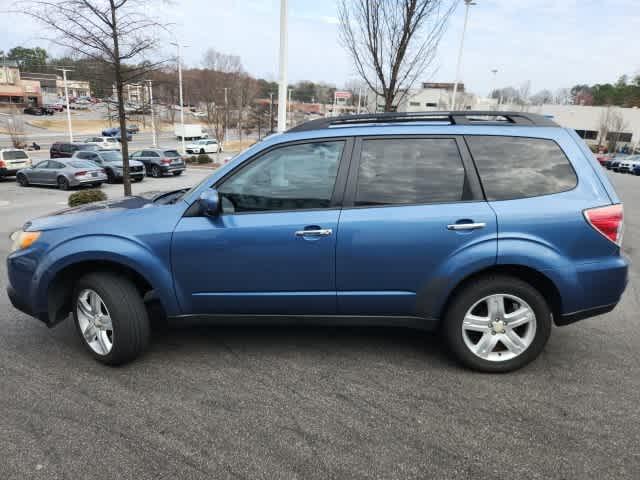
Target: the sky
pixel 551 43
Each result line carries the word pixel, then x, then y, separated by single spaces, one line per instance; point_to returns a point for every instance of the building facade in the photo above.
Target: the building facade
pixel 15 90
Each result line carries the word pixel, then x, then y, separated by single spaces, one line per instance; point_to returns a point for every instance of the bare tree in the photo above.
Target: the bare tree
pixel 15 129
pixel 115 33
pixel 616 126
pixel 392 42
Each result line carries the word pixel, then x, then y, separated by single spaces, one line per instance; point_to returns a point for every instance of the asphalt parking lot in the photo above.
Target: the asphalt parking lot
pixel 313 403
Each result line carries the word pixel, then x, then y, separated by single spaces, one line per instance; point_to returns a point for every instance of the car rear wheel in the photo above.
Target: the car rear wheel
pixel 110 317
pixel 63 183
pixel 22 180
pixel 156 172
pixel 202 151
pixel 497 324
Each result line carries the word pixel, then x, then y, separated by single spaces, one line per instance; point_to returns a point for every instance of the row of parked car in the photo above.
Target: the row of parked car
pixel 621 163
pixel 88 164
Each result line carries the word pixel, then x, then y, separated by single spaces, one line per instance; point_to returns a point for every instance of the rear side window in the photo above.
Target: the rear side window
pixel 410 171
pixel 15 155
pixel 512 167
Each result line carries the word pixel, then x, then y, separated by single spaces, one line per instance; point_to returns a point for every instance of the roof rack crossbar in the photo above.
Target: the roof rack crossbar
pixel 454 118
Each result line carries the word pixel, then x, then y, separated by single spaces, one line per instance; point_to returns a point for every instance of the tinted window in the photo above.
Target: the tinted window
pixel 111 156
pixel 405 171
pixel 15 155
pixel 288 178
pixel 149 153
pixel 512 167
pixel 55 165
pixel 171 153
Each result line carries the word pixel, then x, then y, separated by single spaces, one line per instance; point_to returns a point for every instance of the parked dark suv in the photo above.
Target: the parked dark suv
pixel 159 161
pixel 489 227
pixel 67 149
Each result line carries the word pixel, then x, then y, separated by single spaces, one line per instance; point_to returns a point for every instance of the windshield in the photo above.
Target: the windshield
pixel 14 155
pixel 82 164
pixel 111 156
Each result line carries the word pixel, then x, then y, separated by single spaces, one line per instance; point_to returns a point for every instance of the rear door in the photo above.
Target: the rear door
pixel 413 209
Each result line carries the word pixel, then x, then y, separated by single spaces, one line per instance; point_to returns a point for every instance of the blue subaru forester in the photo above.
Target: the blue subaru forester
pixel 489 226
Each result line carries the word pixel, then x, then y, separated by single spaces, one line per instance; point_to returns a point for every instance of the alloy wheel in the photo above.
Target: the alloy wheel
pixel 94 322
pixel 499 327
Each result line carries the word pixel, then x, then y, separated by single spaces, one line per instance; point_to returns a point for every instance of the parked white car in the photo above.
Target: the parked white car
pixel 106 143
pixel 12 160
pixel 209 145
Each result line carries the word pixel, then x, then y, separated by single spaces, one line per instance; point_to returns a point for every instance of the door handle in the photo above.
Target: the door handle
pixel 466 226
pixel 321 232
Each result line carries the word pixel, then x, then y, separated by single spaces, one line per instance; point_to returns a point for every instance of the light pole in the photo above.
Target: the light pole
pixel 177 45
pixel 153 118
pixel 282 88
pixel 226 114
pixel 289 107
pixel 66 96
pixel 493 84
pixel 467 3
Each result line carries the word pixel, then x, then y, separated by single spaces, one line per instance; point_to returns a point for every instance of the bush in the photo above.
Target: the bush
pixel 192 159
pixel 86 196
pixel 202 158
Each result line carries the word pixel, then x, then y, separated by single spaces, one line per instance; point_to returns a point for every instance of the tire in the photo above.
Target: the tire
pixel 111 178
pixel 202 151
pixel 63 183
pixel 155 171
pixel 22 179
pixel 177 174
pixel 533 335
pixel 128 317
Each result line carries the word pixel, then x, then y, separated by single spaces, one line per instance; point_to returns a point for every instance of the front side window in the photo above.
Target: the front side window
pixel 410 171
pixel 515 167
pixel 294 177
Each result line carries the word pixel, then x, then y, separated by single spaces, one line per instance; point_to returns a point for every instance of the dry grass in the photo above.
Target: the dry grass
pixel 87 127
pixel 237 145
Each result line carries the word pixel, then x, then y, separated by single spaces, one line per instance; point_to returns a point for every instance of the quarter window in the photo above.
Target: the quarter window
pixel 294 177
pixel 410 171
pixel 512 167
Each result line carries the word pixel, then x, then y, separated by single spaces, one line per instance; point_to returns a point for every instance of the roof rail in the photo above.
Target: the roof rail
pixel 467 117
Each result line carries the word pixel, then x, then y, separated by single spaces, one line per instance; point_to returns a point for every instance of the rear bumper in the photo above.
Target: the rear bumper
pixel 88 181
pixel 172 168
pixel 569 318
pixel 9 172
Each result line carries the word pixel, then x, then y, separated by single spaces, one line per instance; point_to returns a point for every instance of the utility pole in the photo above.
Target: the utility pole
pixel 177 45
pixel 289 121
pixel 226 114
pixel 359 97
pixel 467 3
pixel 271 112
pixel 282 88
pixel 66 96
pixel 153 118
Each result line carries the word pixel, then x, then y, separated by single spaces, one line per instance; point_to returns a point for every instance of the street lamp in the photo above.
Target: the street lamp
pixel 66 96
pixel 153 119
pixel 467 3
pixel 179 59
pixel 493 83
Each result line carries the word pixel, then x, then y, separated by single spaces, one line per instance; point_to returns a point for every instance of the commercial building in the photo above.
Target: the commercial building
pixel 16 91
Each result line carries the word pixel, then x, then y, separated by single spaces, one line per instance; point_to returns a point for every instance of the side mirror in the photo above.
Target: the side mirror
pixel 210 202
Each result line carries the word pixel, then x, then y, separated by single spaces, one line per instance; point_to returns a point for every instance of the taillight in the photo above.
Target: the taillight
pixel 607 220
pixel 2 164
pixel 165 161
pixel 80 174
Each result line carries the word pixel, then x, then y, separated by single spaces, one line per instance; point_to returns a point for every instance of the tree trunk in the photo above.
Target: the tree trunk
pixel 126 180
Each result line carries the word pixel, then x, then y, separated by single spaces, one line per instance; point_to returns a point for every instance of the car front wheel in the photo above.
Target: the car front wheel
pixel 110 317
pixel 22 180
pixel 156 172
pixel 497 324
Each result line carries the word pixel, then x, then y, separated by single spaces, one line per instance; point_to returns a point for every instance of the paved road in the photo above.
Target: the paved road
pixel 317 403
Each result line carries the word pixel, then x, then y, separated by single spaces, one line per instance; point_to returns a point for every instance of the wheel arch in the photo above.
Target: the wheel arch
pixel 547 288
pixel 61 285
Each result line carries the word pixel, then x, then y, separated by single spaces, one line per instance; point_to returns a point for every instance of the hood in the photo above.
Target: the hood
pixel 92 211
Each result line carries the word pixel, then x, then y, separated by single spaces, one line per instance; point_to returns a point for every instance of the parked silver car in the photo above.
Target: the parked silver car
pixel 111 161
pixel 63 173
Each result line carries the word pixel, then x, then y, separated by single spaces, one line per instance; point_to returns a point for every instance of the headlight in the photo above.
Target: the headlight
pixel 21 240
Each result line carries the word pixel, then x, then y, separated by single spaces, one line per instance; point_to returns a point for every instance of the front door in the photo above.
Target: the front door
pixel 272 249
pixel 413 211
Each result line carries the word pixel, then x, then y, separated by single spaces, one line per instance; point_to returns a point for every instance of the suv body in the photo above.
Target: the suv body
pixel 210 145
pixel 628 163
pixel 111 162
pixel 106 143
pixel 160 161
pixel 492 225
pixel 67 149
pixel 12 160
